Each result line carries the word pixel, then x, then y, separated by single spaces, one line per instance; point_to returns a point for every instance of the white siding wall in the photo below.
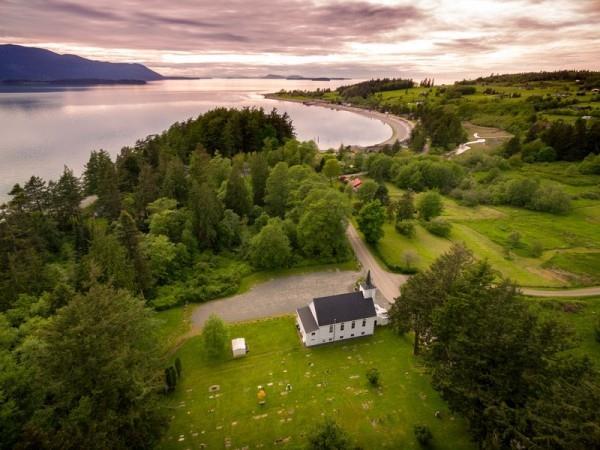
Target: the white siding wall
pixel 302 332
pixel 340 331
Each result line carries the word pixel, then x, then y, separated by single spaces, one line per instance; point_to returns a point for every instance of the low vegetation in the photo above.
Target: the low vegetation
pixel 325 382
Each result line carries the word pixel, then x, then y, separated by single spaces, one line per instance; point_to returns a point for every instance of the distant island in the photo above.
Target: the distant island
pixel 25 65
pixel 300 77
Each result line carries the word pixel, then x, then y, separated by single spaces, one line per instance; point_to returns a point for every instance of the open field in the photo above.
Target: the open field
pixel 570 243
pixel 500 105
pixel 326 381
pixel 580 314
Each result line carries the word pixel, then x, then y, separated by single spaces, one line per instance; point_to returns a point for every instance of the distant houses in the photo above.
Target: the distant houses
pixel 353 180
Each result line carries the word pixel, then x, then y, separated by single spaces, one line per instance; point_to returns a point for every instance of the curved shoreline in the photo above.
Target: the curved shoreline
pixel 401 127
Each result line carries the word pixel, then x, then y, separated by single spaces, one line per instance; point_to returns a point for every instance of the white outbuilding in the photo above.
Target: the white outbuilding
pixel 238 347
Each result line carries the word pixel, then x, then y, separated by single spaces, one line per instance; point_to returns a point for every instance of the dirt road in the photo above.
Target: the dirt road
pixel 387 283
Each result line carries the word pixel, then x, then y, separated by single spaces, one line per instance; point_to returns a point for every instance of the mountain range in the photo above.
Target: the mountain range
pixel 31 64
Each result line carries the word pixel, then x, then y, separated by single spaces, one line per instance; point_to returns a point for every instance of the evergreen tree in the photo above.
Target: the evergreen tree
pixel 109 400
pixel 95 169
pixel 66 197
pixel 277 191
pixel 106 184
pixel 130 239
pixel 207 212
pixel 259 172
pixel 174 184
pixel 237 197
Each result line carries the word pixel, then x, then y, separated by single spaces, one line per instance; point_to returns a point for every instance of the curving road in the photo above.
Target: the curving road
pixel 387 283
pixel 580 292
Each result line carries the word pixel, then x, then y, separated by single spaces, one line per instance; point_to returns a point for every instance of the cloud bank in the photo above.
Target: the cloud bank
pixel 448 39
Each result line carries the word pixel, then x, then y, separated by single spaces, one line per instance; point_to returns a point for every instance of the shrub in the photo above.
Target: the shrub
pixel 405 228
pixel 373 376
pixel 536 249
pixel 409 258
pixel 430 205
pixel 551 199
pixel 439 227
pixel 590 165
pixel 270 248
pixel 329 436
pixel 215 337
pixel 371 218
pixel 423 435
pixel 597 330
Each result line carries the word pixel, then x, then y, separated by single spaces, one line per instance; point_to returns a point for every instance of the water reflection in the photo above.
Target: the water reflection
pixel 41 130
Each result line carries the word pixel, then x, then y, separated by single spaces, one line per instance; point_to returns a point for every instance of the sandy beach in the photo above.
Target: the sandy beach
pixel 401 127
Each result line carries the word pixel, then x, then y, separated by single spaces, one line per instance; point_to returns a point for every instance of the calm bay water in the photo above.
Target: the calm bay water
pixel 41 130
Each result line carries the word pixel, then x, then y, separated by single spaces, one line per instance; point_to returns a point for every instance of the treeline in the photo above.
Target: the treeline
pixel 223 130
pixel 165 223
pixel 370 87
pixel 457 179
pixel 570 142
pixel 588 78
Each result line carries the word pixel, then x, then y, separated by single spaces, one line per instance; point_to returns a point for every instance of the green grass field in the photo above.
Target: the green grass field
pixel 580 314
pixel 500 109
pixel 570 243
pixel 326 381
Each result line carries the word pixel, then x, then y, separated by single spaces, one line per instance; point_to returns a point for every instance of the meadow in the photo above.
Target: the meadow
pixel 326 381
pixel 569 244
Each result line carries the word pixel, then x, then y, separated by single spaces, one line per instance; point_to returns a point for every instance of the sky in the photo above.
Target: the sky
pixel 443 39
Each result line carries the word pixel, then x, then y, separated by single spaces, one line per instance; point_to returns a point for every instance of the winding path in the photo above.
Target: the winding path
pixel 389 283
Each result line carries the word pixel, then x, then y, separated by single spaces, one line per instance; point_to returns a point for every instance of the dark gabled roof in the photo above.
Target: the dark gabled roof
pixel 308 320
pixel 343 308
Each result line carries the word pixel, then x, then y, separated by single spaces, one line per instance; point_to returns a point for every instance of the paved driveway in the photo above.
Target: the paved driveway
pixel 278 296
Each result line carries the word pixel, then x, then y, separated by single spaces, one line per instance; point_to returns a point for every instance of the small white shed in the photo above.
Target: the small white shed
pixel 238 347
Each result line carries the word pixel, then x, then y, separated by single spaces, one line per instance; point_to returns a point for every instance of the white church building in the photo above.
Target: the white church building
pixel 339 317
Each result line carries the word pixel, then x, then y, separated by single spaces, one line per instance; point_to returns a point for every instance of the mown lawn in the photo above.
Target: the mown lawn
pixel 326 381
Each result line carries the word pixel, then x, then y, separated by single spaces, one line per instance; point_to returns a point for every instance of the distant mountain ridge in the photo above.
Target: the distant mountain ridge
pixel 20 63
pixel 300 77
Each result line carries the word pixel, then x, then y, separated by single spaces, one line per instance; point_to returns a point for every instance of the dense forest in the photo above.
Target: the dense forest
pixel 366 88
pixel 587 78
pixel 172 220
pixel 85 261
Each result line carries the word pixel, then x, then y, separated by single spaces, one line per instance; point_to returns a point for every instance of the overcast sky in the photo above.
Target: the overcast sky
pixel 446 39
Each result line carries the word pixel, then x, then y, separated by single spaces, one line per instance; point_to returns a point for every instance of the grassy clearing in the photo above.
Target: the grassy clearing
pixel 580 314
pixel 326 381
pixel 393 245
pixel 172 324
pixel 570 243
pixel 585 266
